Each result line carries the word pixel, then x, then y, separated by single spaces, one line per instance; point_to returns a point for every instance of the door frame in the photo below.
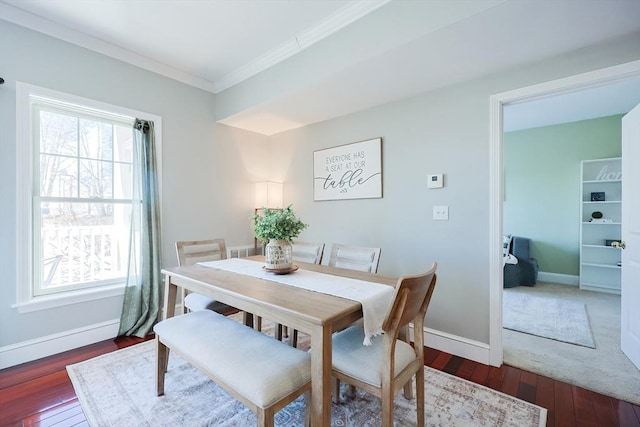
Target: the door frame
pixel 496 176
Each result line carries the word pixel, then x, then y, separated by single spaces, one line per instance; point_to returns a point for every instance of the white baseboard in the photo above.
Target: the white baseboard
pixel 458 346
pixel 38 348
pixel 27 351
pixel 566 279
pixel 453 344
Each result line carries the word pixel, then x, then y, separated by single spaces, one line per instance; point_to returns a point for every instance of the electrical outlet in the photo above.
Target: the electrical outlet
pixel 441 213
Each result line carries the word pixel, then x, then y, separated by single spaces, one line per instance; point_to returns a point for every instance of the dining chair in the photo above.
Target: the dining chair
pixel 192 252
pixel 390 362
pixel 354 257
pixel 307 252
pixel 301 252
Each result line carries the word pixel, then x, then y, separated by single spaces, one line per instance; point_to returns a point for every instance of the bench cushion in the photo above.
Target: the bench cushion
pixel 258 367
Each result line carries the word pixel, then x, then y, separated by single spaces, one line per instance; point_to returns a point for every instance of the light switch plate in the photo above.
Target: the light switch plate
pixel 435 181
pixel 441 213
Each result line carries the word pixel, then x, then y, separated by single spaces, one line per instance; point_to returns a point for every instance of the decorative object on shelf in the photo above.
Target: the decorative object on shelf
pixel 619 245
pixel 596 215
pixel 278 227
pixel 597 196
pixel 611 242
pixel 607 175
pixel 601 221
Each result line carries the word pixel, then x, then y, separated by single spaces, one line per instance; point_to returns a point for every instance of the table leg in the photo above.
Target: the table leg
pixel 170 294
pixel 321 376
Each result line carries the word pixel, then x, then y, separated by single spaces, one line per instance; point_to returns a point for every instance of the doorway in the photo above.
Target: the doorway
pixel 497 102
pixel 572 85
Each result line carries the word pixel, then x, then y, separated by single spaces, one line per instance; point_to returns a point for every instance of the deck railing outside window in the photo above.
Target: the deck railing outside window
pixel 75 255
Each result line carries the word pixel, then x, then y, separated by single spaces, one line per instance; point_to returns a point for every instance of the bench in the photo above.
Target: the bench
pixel 262 373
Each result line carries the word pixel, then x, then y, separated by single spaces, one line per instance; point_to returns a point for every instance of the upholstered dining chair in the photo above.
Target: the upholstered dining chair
pixel 301 252
pixel 192 252
pixel 354 257
pixel 390 363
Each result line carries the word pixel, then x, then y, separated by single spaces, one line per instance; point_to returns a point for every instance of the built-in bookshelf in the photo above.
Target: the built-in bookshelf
pixel 601 227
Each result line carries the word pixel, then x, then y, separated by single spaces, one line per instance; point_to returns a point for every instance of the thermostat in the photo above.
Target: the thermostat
pixel 435 181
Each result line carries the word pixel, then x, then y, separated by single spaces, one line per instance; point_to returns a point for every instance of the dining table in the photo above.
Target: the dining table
pixel 317 314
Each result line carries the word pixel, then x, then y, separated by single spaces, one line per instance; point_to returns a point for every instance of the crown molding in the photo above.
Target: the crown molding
pixel 340 19
pixel 343 17
pixel 20 17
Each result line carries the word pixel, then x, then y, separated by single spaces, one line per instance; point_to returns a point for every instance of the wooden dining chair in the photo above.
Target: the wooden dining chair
pixel 390 362
pixel 192 252
pixel 354 257
pixel 307 252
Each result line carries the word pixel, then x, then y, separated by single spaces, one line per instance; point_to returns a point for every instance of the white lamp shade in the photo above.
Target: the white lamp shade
pixel 269 195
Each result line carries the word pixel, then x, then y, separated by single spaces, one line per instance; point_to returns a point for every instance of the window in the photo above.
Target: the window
pixel 78 157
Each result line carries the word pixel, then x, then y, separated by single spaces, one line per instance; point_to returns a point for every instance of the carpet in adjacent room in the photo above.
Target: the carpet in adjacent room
pixel 555 318
pixel 604 369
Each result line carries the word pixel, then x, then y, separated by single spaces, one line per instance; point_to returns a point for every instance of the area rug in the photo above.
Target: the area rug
pixel 118 389
pixel 554 318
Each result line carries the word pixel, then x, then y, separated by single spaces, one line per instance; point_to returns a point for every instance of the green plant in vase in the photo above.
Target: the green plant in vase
pixel 278 227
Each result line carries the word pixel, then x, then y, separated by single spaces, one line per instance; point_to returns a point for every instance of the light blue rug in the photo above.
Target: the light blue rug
pixel 554 318
pixel 118 389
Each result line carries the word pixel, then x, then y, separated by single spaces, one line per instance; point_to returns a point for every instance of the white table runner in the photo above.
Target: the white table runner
pixel 374 297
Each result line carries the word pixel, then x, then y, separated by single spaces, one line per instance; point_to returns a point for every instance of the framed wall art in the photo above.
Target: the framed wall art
pixel 351 171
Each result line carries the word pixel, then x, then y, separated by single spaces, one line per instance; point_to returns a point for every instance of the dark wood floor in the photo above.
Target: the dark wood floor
pixel 40 393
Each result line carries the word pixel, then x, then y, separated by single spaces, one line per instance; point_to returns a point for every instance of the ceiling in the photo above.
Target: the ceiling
pixel 346 55
pixel 618 97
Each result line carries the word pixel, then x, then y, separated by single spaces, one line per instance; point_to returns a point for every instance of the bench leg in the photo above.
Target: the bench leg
pixel 265 417
pixel 162 359
pixel 307 409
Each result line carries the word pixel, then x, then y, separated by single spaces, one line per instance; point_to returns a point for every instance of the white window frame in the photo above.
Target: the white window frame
pixel 26 301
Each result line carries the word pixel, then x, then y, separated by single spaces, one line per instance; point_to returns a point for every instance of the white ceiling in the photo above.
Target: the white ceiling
pixel 601 101
pixel 393 49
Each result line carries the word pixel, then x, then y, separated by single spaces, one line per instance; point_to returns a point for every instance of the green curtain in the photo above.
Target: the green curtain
pixel 143 293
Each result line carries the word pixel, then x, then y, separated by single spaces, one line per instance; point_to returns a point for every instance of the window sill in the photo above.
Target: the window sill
pixel 67 298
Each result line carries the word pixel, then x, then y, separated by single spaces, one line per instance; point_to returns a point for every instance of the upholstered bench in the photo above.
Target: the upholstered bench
pixel 262 373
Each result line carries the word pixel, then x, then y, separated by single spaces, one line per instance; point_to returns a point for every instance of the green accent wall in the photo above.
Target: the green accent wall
pixel 542 186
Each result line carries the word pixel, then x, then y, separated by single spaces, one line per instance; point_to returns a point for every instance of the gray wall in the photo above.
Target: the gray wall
pixel 443 131
pixel 542 191
pixel 207 168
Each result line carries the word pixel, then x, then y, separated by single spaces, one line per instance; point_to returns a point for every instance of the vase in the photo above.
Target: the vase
pixel 277 255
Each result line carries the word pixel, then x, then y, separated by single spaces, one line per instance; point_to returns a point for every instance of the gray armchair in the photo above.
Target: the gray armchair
pixel 525 272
